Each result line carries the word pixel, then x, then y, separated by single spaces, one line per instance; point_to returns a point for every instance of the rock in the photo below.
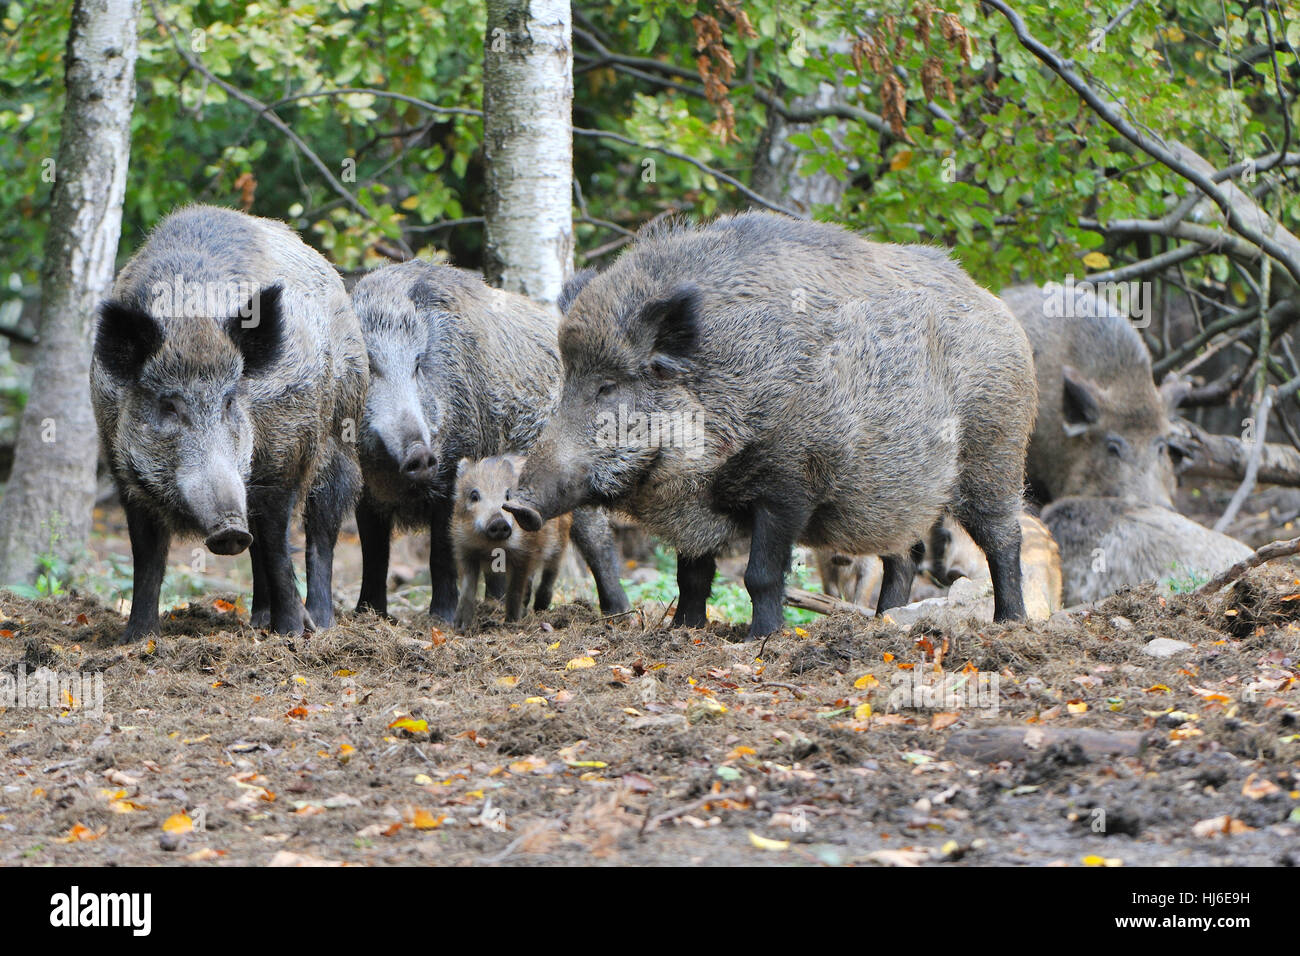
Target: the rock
pixel 1165 647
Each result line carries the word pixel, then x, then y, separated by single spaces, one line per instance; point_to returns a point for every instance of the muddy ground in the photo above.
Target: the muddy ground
pixel 577 740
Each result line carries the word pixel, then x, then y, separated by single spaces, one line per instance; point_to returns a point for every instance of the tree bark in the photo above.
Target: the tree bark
pixel 47 505
pixel 776 162
pixel 528 146
pixel 1227 457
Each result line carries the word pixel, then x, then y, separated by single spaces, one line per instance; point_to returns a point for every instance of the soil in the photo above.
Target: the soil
pixel 575 740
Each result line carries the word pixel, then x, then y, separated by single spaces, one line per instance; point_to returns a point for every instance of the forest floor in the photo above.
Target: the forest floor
pixel 576 740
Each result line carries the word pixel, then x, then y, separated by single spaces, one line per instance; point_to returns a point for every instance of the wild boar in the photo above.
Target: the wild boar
pixel 485 538
pixel 228 379
pixel 1111 543
pixel 789 381
pixel 1102 428
pixel 849 577
pixel 457 370
pixel 952 554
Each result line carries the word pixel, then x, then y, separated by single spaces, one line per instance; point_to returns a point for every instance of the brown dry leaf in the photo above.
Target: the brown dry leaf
pixel 945 719
pixel 1257 787
pixel 1220 826
pixel 81 833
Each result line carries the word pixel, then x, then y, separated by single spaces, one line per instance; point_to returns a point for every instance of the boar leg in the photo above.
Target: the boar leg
pixel 519 575
pixel 376 532
pixel 896 583
pixel 694 584
pixel 150 541
pixel 272 516
pixel 595 541
pixel 324 514
pixel 260 616
pixel 770 547
pixel 442 563
pixel 546 584
pixel 998 536
pixel 494 585
pixel 468 603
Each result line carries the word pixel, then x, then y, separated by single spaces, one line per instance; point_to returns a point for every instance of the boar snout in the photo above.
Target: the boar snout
pixel 418 462
pixel 529 518
pixel 231 538
pixel 498 529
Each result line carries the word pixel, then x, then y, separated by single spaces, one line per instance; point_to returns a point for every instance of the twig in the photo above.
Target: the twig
pixel 653 823
pixel 1277 549
pixel 731 181
pixel 798 694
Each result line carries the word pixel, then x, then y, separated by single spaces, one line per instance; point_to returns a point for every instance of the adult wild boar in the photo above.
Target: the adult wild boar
pixel 1111 543
pixel 457 370
pixel 1102 428
pixel 849 393
pixel 228 380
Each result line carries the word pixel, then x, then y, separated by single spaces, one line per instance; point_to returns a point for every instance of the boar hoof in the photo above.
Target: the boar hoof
pixel 529 519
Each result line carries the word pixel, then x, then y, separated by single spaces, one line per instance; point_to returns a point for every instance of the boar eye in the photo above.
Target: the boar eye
pixel 606 388
pixel 473 496
pixel 507 494
pixel 230 404
pixel 169 408
pixel 1115 447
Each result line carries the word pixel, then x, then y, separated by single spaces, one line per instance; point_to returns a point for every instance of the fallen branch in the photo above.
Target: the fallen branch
pixel 653 823
pixel 822 603
pixel 1228 457
pixel 1278 549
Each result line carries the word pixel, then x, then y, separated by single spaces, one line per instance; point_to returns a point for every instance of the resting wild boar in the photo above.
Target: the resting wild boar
pixel 849 577
pixel 228 378
pixel 1109 543
pixel 847 394
pixel 953 554
pixel 486 538
pixel 457 370
pixel 1102 428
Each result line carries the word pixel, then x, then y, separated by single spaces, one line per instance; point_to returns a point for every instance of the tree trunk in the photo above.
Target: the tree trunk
pixel 47 505
pixel 528 145
pixel 776 173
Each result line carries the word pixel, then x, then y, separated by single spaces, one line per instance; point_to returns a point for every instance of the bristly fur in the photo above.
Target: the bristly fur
pixel 1093 359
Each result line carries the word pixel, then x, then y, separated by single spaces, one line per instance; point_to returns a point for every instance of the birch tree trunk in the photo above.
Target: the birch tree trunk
pixel 528 145
pixel 47 505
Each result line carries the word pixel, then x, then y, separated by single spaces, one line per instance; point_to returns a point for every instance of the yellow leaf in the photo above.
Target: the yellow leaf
pixel 78 833
pixel 865 681
pixel 800 632
pixel 178 823
pixel 900 160
pixel 344 672
pixel 410 725
pixel 739 752
pixel 553 647
pixel 535 700
pixel 862 711
pixel 423 779
pixel 1102 861
pixel 1077 707
pixel 578 663
pixel 763 843
pixel 1096 260
pixel 507 681
pixel 410 202
pixel 528 765
pixel 424 820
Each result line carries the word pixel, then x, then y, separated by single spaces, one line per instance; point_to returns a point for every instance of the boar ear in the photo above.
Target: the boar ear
pixel 1080 403
pixel 461 467
pixel 515 461
pixel 125 340
pixel 673 323
pixel 258 330
pixel 572 286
